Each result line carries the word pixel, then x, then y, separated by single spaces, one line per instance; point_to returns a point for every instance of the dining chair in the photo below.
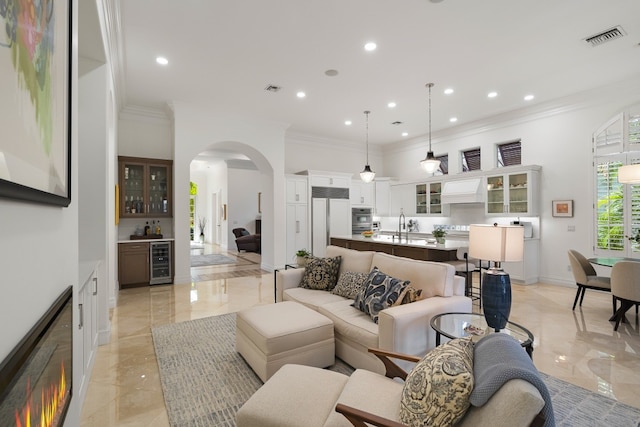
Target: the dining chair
pixel 625 287
pixel 587 278
pixel 465 266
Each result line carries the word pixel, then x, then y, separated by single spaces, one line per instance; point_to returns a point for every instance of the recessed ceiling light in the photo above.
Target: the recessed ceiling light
pixel 347 122
pixel 391 105
pixel 162 60
pixel 371 46
pixel 301 94
pixel 331 73
pixel 492 94
pixel 529 97
pixel 405 133
pixel 453 119
pixel 448 91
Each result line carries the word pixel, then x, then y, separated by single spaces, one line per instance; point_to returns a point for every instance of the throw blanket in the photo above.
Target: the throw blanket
pixel 499 358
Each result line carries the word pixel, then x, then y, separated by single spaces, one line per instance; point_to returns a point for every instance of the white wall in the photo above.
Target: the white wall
pixel 144 133
pixel 556 136
pixel 244 186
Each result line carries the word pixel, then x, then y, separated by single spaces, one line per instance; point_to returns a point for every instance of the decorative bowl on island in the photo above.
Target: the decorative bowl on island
pixel 367 233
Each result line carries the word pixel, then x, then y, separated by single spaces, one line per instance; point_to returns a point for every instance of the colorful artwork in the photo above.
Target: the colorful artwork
pixel 34 101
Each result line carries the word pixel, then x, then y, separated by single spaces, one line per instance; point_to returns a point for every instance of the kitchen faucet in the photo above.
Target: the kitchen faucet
pixel 402 225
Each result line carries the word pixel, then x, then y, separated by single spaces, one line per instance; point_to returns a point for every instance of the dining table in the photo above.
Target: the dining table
pixel 610 261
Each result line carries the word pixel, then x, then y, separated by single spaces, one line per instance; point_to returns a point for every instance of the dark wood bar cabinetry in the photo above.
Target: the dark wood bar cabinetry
pixel 133 264
pixel 404 250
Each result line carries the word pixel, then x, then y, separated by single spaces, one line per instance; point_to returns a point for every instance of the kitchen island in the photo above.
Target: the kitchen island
pixel 418 249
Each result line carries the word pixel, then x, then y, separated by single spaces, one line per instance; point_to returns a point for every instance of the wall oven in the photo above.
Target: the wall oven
pixel 361 220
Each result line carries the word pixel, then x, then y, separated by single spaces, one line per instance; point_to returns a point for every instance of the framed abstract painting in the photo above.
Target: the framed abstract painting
pixel 35 101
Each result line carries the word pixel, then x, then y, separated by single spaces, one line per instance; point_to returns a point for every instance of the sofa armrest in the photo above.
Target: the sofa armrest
pixel 393 370
pixel 407 329
pixel 287 279
pixel 360 418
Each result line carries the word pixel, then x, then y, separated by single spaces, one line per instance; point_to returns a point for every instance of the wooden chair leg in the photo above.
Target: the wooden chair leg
pixel 584 290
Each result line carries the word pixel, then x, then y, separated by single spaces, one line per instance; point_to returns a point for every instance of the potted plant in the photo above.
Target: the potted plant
pixel 302 257
pixel 439 234
pixel 202 223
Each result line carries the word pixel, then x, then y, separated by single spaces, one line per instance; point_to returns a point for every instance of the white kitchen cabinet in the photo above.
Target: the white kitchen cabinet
pixel 329 218
pixel 382 197
pixel 514 192
pixel 403 196
pixel 428 199
pixel 297 223
pixel 526 271
pixel 362 194
pixel 87 324
pixel 297 189
pixel 335 181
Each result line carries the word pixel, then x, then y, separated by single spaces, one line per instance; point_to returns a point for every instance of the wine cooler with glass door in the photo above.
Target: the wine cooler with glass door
pixel 160 263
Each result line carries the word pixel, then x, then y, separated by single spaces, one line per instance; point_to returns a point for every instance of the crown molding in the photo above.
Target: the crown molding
pixel 315 141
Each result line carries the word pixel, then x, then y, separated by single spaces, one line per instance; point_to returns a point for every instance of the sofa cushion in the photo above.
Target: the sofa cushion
pixel 350 284
pixel 321 273
pixel 312 298
pixel 381 291
pixel 436 391
pixel 352 260
pixel 351 323
pixel 434 278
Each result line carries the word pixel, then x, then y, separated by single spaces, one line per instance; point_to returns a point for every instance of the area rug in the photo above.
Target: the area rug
pixel 210 259
pixel 205 381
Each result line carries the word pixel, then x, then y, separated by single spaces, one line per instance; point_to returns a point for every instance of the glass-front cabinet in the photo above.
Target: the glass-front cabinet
pixel 429 200
pixel 513 193
pixel 145 187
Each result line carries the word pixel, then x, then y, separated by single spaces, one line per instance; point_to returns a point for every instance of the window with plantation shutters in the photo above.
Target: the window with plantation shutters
pixel 610 205
pixel 471 160
pixel 633 130
pixel 509 154
pixel 609 138
pixel 633 193
pixel 444 164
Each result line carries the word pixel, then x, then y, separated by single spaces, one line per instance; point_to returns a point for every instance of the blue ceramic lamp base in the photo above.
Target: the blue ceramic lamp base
pixel 496 298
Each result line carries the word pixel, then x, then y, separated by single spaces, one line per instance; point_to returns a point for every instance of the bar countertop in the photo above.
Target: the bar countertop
pixel 449 244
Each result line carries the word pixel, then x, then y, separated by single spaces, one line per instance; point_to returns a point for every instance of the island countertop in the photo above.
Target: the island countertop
pixel 412 248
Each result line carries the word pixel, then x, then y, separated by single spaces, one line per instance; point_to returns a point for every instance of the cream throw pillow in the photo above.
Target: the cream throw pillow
pixel 437 390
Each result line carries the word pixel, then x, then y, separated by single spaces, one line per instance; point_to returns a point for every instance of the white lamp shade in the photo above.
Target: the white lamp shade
pixel 367 175
pixel 496 243
pixel 629 174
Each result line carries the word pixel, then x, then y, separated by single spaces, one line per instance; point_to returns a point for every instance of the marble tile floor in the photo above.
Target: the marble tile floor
pixel 577 346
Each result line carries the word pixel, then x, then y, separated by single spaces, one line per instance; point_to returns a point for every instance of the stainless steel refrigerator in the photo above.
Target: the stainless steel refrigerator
pixel 330 217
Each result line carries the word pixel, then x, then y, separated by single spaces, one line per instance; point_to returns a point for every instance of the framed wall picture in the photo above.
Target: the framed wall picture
pixel 562 208
pixel 35 65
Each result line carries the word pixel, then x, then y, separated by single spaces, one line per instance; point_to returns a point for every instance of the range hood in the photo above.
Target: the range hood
pixel 463 191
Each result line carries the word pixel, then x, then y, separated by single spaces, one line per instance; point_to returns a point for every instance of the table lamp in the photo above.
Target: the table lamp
pixel 497 244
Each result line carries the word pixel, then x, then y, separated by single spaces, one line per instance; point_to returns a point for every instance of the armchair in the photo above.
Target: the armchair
pixel 246 241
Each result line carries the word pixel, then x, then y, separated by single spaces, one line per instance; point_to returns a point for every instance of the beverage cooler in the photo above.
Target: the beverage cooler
pixel 160 263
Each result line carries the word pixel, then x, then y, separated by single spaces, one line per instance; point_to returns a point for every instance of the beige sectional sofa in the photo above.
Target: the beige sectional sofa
pixel 402 329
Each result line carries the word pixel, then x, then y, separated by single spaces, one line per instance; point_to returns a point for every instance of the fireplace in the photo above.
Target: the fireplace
pixel 35 378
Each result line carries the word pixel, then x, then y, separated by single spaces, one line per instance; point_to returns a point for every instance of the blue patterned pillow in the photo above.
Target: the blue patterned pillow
pixel 380 291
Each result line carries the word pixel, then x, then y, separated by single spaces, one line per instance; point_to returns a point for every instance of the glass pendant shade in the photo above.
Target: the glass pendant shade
pixel 367 175
pixel 629 174
pixel 430 164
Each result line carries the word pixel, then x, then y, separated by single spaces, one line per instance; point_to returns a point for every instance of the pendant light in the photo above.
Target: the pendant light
pixel 430 164
pixel 367 175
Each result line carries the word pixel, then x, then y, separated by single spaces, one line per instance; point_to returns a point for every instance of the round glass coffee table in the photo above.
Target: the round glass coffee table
pixel 474 325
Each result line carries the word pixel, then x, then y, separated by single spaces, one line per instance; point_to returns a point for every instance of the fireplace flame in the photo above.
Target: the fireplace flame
pixel 51 399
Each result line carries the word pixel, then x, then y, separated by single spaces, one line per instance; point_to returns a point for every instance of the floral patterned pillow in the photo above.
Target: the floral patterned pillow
pixel 321 273
pixel 437 390
pixel 350 284
pixel 380 291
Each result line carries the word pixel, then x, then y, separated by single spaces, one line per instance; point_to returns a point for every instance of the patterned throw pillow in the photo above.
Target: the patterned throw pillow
pixel 409 295
pixel 380 291
pixel 321 273
pixel 350 284
pixel 436 391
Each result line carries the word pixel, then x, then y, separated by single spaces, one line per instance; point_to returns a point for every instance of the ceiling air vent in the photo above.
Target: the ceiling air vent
pixel 611 34
pixel 273 88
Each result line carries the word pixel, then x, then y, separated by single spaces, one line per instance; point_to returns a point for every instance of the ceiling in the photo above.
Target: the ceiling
pixel 222 55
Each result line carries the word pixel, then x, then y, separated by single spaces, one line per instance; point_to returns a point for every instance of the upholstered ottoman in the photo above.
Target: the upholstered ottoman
pixel 270 336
